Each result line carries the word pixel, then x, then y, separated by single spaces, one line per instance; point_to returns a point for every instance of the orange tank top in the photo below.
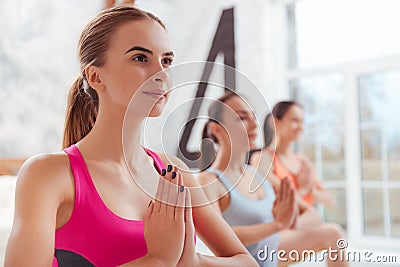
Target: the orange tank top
pixel 281 171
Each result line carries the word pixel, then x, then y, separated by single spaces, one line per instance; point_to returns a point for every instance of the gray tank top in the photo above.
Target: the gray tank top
pixel 245 211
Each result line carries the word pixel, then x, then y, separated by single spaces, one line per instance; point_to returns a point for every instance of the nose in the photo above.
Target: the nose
pixel 252 123
pixel 301 126
pixel 161 74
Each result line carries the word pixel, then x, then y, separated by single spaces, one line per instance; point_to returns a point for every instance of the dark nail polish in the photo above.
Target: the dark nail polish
pixel 163 172
pixel 173 175
pixel 151 201
pixel 182 188
pixel 169 168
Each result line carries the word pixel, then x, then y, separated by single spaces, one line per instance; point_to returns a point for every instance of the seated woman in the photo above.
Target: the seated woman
pixel 278 161
pixel 255 216
pixel 105 200
pixel 287 117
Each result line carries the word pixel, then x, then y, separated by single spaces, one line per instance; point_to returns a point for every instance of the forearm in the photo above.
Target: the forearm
pixel 251 234
pixel 147 261
pixel 301 192
pixel 324 196
pixel 238 260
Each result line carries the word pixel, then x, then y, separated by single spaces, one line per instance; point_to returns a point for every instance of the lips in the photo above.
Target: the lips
pixel 252 135
pixel 156 94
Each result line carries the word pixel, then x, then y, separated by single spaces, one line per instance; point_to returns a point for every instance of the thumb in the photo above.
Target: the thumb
pixel 188 216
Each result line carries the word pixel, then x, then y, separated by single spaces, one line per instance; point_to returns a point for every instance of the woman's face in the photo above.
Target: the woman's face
pixel 290 126
pixel 135 68
pixel 240 123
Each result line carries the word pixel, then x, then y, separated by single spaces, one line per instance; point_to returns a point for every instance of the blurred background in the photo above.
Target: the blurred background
pixel 340 59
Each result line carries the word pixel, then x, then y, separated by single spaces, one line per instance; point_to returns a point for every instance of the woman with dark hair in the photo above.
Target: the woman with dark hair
pixel 105 200
pixel 282 127
pixel 278 161
pixel 236 190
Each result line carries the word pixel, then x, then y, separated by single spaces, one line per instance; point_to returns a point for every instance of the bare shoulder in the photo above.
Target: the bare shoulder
pixel 206 178
pixel 45 171
pixel 263 161
pixel 260 156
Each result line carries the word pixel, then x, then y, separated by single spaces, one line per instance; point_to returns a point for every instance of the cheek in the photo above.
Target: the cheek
pixel 242 132
pixel 132 77
pixel 294 126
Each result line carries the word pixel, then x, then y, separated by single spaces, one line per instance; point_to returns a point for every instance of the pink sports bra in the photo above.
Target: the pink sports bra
pixel 94 235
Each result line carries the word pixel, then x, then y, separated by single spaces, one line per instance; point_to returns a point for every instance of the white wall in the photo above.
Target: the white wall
pixel 260 51
pixel 38 61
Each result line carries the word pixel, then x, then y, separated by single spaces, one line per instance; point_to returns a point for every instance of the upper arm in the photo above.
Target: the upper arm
pixel 37 197
pixel 210 188
pixel 316 180
pixel 262 161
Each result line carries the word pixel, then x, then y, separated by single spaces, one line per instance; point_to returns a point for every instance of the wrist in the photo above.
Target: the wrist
pixel 278 226
pixel 198 260
pixel 151 260
pixel 305 191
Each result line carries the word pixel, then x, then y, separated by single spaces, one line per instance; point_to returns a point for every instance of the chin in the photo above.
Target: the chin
pixel 296 138
pixel 249 143
pixel 156 111
pixel 252 145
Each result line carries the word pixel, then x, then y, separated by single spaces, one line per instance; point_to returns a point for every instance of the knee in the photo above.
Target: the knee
pixel 332 232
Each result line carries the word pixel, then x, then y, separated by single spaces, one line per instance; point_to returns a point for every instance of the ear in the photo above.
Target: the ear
pixel 272 122
pixel 94 79
pixel 216 129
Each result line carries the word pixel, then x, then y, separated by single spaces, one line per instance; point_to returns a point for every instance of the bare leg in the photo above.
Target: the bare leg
pixel 128 2
pixel 109 4
pixel 323 237
pixel 309 219
pixel 113 3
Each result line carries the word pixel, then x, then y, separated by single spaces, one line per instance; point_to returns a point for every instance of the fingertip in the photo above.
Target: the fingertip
pixel 180 179
pixel 150 209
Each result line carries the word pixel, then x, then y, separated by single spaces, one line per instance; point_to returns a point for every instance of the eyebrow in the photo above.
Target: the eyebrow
pixel 139 48
pixel 242 111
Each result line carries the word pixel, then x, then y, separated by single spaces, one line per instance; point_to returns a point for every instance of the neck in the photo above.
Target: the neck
pixel 283 147
pixel 113 139
pixel 227 159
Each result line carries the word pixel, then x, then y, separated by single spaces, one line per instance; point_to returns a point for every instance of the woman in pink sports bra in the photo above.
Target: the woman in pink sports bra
pixel 101 203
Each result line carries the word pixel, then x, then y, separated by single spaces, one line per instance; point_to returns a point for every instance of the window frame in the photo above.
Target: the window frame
pixel 353 181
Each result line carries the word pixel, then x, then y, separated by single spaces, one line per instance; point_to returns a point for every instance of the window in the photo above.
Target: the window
pixel 379 95
pixel 344 68
pixel 322 97
pixel 333 32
